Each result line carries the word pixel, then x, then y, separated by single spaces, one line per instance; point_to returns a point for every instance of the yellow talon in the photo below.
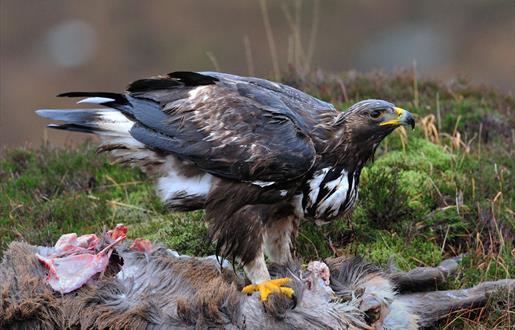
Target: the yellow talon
pixel 271 286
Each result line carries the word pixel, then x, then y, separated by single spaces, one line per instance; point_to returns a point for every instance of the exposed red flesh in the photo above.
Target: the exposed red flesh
pixel 73 261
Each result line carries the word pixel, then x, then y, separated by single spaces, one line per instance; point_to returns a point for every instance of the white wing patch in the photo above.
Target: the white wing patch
pixel 339 193
pixel 333 201
pixel 314 185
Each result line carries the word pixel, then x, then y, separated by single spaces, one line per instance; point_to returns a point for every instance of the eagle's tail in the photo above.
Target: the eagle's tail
pixel 103 122
pixel 112 124
pixel 112 121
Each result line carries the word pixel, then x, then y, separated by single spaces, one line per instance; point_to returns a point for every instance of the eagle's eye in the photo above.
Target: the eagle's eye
pixel 376 114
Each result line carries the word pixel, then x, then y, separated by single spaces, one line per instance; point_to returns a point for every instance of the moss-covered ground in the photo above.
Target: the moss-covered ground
pixel 443 190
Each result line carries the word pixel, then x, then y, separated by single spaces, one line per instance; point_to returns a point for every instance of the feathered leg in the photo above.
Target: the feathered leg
pixel 256 270
pixel 277 241
pixel 278 237
pixel 240 236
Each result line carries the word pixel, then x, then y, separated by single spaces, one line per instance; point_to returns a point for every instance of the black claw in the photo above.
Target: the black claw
pixel 411 122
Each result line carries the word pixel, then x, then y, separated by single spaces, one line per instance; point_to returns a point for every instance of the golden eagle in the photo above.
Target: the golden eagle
pixel 258 156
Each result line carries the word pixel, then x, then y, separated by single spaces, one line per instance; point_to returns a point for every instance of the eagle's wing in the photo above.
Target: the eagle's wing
pixel 238 128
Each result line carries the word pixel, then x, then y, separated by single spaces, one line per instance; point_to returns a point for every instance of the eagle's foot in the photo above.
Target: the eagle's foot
pixel 265 288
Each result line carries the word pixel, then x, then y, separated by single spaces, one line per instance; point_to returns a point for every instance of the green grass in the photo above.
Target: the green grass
pixel 421 201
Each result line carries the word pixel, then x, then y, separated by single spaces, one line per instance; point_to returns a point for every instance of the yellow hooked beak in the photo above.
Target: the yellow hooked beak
pixel 403 117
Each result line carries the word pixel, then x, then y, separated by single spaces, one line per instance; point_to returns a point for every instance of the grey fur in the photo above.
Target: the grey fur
pixel 163 290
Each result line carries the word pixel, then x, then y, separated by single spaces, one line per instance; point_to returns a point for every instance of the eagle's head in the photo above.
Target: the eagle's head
pixel 373 120
pixel 361 128
pixel 332 189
